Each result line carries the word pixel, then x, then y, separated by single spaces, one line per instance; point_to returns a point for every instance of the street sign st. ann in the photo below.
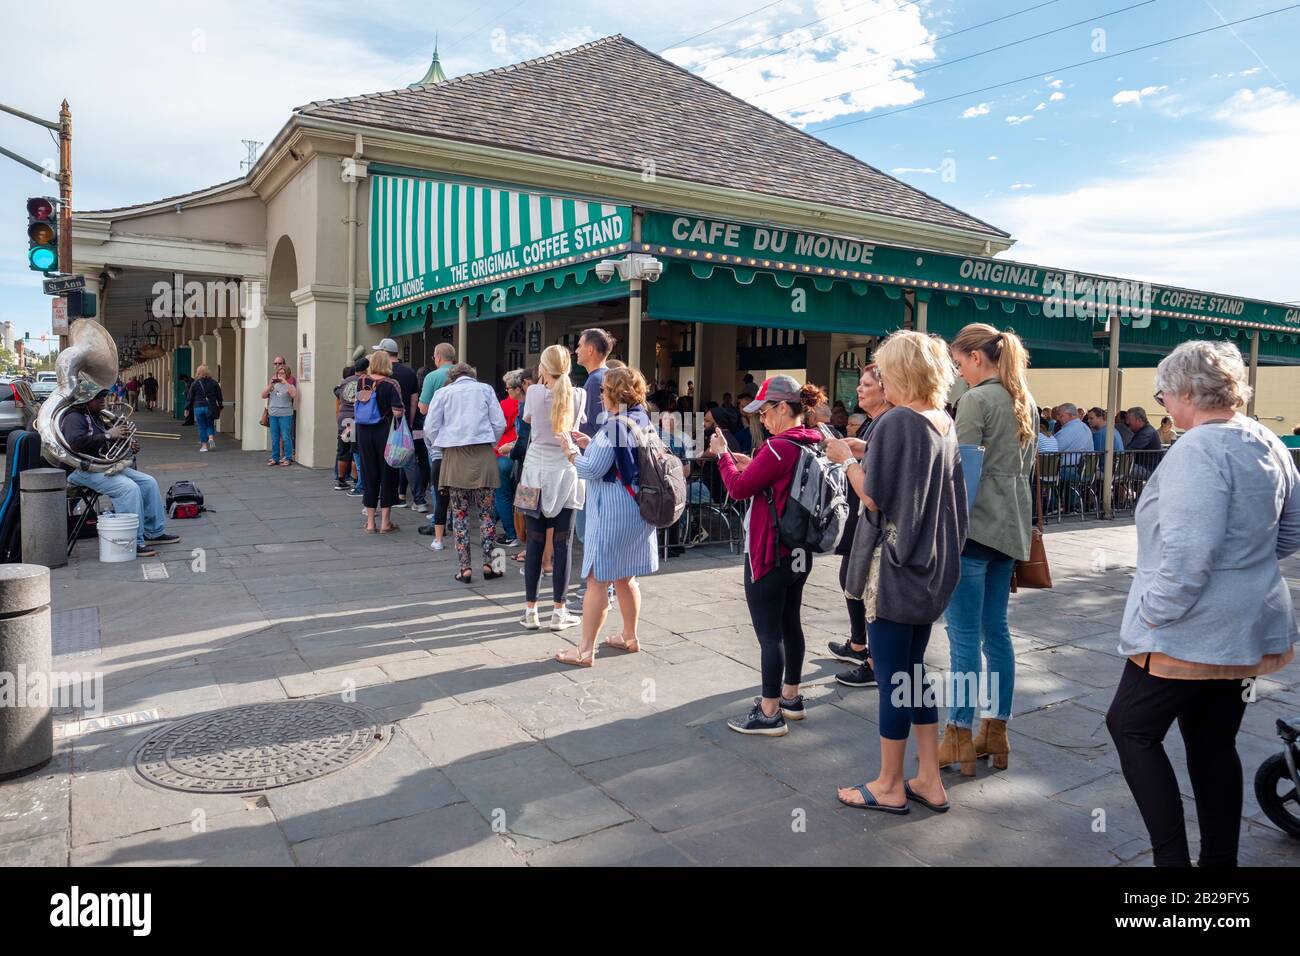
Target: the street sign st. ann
pixel 62 284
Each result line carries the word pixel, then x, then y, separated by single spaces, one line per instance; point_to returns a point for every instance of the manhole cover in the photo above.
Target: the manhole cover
pixel 257 747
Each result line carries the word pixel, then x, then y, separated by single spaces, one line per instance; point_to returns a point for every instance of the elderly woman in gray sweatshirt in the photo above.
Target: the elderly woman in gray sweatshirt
pixel 1209 610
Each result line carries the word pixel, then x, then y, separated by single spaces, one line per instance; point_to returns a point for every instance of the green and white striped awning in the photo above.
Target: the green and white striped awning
pixel 430 237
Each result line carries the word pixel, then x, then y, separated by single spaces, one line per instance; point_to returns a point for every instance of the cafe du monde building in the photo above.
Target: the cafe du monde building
pixel 507 210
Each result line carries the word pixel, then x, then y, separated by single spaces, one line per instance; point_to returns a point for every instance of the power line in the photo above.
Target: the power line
pixel 775 36
pixel 970 56
pixel 728 23
pixel 787 49
pixel 884 56
pixel 479 29
pixel 1062 69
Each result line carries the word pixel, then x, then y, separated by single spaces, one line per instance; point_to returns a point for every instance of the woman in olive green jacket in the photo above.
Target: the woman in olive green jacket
pixel 998 413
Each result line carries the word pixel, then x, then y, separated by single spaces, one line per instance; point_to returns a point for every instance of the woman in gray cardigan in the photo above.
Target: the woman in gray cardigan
pixel 905 558
pixel 1209 610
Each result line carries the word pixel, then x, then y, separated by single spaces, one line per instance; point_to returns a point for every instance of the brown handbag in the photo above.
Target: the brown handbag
pixel 266 417
pixel 1034 573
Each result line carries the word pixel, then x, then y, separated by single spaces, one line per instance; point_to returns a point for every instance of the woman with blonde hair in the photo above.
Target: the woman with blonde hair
pixel 203 401
pixel 998 413
pixel 906 558
pixel 549 491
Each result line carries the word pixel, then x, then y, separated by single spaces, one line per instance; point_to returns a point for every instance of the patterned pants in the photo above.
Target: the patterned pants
pixel 480 500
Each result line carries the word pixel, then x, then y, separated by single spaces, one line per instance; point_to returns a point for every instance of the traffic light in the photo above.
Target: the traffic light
pixel 81 304
pixel 42 235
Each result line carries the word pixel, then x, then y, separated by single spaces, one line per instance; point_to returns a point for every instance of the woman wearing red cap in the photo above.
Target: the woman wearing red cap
pixel 774 576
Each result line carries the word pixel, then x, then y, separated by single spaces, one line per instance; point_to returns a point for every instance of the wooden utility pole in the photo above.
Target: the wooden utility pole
pixel 65 189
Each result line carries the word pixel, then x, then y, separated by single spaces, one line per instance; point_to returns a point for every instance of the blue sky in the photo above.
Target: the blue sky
pixel 1174 164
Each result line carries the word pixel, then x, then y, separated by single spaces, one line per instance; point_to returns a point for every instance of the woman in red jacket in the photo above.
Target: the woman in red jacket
pixel 774 576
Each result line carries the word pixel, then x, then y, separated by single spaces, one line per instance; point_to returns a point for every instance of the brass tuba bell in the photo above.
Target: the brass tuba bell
pixel 87 366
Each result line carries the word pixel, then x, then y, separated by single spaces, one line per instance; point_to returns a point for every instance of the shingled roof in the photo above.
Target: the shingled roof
pixel 614 103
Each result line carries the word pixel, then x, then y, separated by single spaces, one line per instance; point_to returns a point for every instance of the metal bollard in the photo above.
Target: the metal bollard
pixel 44 516
pixel 26 712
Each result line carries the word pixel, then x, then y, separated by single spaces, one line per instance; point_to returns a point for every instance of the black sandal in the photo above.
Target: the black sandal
pixel 465 577
pixel 490 575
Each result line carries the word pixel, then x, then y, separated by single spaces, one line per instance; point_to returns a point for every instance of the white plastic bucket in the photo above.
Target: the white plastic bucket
pixel 117 534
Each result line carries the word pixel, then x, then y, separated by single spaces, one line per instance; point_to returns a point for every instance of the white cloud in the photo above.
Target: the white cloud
pixel 527 46
pixel 1057 96
pixel 1017 120
pixel 1124 97
pixel 849 63
pixel 1022 185
pixel 1040 106
pixel 1215 214
pixel 1252 71
pixel 992 157
pixel 1055 84
pixel 903 170
pixel 972 111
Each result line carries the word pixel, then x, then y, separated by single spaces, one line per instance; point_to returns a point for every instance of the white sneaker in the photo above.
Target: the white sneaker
pixel 561 619
pixel 531 619
pixel 203 448
pixel 436 545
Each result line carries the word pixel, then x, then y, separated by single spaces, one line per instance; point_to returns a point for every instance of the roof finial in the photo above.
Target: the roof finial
pixel 434 74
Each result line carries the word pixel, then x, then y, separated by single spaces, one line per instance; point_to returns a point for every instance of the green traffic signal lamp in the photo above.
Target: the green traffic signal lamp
pixel 42 235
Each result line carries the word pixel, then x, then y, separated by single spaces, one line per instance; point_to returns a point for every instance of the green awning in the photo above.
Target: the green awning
pixel 409 324
pixel 700 292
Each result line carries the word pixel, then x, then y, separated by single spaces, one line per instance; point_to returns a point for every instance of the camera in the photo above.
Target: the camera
pixel 605 269
pixel 651 269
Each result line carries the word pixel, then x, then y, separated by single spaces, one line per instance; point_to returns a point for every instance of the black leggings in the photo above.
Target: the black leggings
pixel 442 494
pixel 561 525
pixel 775 601
pixel 378 479
pixel 857 609
pixel 1209 715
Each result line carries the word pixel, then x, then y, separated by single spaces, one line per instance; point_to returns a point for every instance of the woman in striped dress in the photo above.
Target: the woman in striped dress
pixel 619 545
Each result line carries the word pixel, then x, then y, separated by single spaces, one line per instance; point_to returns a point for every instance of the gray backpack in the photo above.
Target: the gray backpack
pixel 661 492
pixel 818 507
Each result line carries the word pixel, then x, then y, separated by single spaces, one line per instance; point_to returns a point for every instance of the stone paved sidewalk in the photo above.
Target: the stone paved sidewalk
pixel 499 756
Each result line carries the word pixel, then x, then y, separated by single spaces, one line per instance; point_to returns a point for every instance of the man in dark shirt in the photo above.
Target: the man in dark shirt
pixel 1145 438
pixel 132 492
pixel 407 383
pixel 1145 441
pixel 594 346
pixel 1122 426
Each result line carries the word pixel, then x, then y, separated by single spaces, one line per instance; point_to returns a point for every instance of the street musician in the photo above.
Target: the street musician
pixel 131 491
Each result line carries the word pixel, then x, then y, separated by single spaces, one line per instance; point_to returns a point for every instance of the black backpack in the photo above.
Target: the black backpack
pixel 818 508
pixel 183 493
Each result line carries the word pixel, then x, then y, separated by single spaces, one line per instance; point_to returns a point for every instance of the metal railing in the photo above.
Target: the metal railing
pixel 1073 480
pixel 711 518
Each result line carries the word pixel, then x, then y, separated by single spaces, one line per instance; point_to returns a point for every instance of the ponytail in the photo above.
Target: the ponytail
pixel 1009 356
pixel 556 364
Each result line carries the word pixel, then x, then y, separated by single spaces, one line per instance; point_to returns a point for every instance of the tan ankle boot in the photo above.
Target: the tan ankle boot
pixel 956 747
pixel 996 745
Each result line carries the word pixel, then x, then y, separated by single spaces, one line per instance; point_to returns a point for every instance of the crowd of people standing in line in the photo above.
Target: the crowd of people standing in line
pixel 552 460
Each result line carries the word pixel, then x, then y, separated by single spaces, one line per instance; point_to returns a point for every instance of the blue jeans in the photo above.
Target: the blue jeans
pixel 977 619
pixel 505 496
pixel 356 459
pixel 203 419
pixel 132 492
pixel 282 431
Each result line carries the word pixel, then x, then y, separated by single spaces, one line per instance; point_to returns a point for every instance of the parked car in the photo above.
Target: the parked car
pixel 44 385
pixel 18 405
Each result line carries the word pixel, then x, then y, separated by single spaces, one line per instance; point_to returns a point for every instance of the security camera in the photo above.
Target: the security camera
pixel 605 269
pixel 651 269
